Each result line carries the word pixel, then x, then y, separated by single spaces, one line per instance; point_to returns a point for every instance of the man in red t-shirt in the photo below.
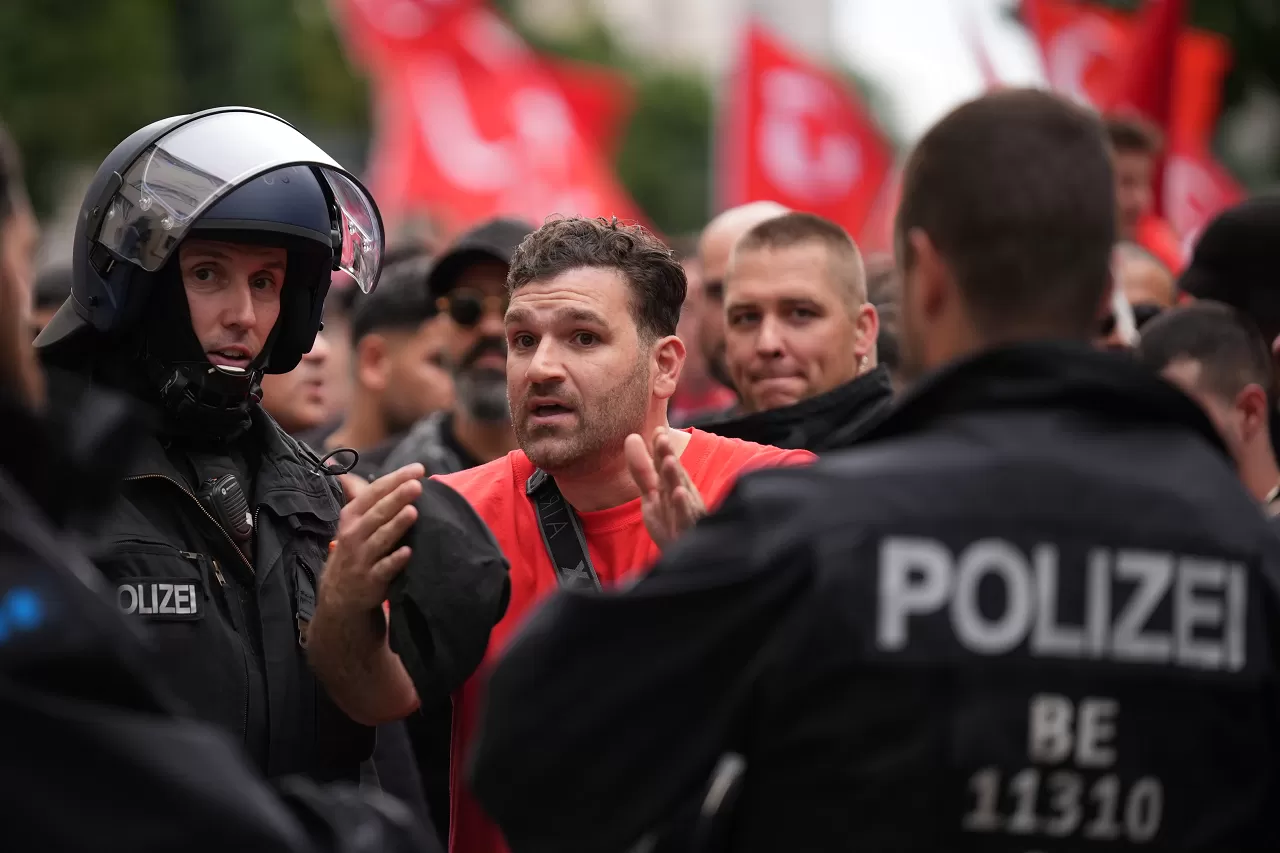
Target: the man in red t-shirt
pixel 592 361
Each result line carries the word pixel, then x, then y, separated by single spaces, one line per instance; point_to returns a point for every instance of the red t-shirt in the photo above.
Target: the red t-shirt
pixel 619 546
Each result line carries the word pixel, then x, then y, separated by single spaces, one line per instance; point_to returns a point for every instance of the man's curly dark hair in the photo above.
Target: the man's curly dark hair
pixel 657 280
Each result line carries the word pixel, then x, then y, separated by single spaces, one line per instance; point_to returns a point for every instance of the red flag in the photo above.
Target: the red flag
pixel 1145 80
pixel 1090 53
pixel 601 100
pixel 795 133
pixel 472 124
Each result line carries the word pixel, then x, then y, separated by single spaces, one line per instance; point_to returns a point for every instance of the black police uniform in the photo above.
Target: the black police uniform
pixel 835 420
pixel 223 523
pixel 94 756
pixel 1035 611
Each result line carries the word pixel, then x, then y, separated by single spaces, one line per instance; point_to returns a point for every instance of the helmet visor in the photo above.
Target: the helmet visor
pixel 165 191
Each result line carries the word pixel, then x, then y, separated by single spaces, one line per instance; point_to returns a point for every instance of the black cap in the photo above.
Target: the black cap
pixel 494 240
pixel 1236 261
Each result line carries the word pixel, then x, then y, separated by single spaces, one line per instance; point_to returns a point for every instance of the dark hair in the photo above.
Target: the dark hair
pixel 12 187
pixel 401 299
pixel 1131 134
pixel 1228 345
pixel 1015 191
pixel 793 229
pixel 657 280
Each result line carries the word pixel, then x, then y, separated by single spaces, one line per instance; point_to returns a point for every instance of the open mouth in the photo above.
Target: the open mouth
pixel 548 412
pixel 231 357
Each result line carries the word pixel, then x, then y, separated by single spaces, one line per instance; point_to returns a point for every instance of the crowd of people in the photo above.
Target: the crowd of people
pixel 556 538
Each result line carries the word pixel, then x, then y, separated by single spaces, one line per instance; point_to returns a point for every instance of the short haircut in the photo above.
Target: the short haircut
pixel 400 302
pixel 1129 134
pixel 1015 191
pixel 13 189
pixel 1228 345
pixel 795 229
pixel 657 280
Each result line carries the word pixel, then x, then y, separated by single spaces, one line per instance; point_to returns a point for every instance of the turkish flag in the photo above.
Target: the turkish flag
pixel 1086 52
pixel 1109 60
pixel 472 124
pixel 794 133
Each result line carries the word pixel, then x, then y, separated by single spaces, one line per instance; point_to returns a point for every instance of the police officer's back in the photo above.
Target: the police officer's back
pixel 1034 612
pixel 200 263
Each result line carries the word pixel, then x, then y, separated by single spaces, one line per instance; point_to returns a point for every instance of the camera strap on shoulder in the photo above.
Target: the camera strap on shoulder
pixel 561 533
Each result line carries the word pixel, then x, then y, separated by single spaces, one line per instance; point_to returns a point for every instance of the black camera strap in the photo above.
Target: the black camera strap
pixel 561 533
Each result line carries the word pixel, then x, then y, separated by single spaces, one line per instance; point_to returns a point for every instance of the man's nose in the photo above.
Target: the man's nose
pixel 546 364
pixel 238 311
pixel 769 337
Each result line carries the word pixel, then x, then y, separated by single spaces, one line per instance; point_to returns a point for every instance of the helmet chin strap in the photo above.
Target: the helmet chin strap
pixel 201 400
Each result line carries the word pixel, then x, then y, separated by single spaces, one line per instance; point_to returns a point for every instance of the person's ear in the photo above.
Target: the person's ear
pixel 1255 412
pixel 668 361
pixel 867 331
pixel 373 362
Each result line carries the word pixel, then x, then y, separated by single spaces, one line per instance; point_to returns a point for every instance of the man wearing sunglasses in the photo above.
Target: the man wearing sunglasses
pixel 398 369
pixel 469 286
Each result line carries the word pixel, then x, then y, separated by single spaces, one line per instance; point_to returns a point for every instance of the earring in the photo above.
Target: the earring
pixel 862 365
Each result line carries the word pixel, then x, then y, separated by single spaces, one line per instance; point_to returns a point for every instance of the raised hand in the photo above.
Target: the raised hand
pixel 362 562
pixel 669 500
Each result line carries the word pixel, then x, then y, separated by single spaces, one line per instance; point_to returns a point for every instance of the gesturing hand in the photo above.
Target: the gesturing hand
pixel 669 500
pixel 360 569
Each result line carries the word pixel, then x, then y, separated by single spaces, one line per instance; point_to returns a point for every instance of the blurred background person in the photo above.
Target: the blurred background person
pixel 699 396
pixel 800 337
pixel 714 248
pixel 1135 148
pixel 399 365
pixel 1145 281
pixel 468 285
pixel 338 305
pixel 300 399
pixel 1235 262
pixel 1220 359
pixel 53 286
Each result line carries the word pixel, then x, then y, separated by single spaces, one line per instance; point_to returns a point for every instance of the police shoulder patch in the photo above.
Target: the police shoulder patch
pixel 170 599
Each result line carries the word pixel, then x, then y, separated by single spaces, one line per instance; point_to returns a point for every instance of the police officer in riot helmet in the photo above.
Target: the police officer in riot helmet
pixel 201 261
pixel 1034 610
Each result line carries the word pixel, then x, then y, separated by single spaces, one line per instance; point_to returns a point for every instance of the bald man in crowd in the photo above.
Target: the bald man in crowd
pixel 714 249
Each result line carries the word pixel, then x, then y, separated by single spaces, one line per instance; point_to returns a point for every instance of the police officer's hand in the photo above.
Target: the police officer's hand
pixel 669 500
pixel 364 559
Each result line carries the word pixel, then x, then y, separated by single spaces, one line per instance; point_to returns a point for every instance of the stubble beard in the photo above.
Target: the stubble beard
pixel 599 434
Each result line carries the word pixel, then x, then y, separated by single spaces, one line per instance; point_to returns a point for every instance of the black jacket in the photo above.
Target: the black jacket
pixel 831 421
pixel 230 628
pixel 1036 610
pixel 94 757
